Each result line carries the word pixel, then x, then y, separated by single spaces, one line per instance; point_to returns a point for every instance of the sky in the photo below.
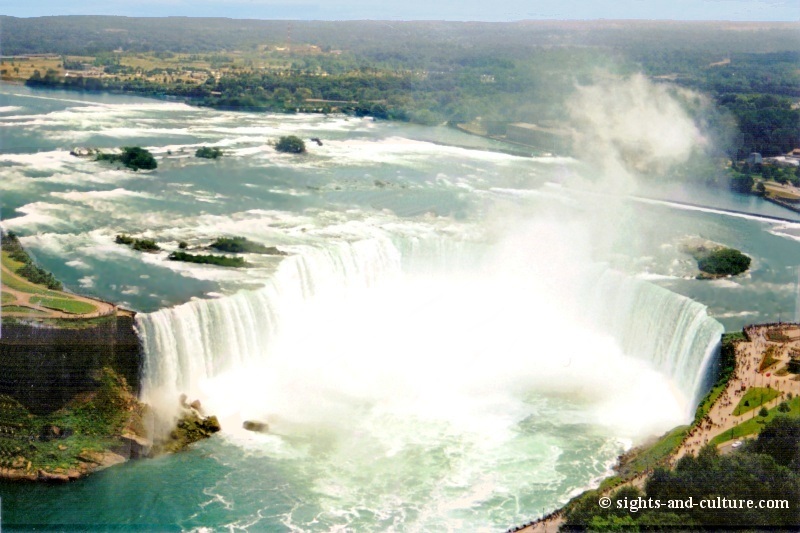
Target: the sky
pixel 498 10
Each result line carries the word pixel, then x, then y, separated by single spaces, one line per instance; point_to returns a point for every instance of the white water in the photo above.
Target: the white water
pixel 651 323
pixel 375 357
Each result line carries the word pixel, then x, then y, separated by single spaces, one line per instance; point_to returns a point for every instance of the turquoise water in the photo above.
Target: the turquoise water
pixel 428 355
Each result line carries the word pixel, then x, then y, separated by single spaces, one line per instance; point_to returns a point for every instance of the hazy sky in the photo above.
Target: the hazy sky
pixel 498 10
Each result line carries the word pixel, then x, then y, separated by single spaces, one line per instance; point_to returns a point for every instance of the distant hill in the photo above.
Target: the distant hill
pixel 398 41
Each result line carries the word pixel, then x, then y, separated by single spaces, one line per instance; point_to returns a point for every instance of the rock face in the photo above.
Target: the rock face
pixel 134 446
pixel 191 427
pixel 44 368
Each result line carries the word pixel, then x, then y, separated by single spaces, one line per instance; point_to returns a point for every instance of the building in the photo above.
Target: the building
pixel 755 158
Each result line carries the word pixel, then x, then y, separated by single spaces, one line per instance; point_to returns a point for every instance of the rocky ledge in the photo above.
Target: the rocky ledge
pixel 94 431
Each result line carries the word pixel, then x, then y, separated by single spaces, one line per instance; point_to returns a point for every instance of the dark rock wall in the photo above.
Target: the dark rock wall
pixel 44 367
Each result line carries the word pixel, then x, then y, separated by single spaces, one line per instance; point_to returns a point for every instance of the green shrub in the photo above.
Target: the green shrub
pixel 140 245
pixel 218 260
pixel 240 245
pixel 291 144
pixel 133 157
pixel 207 152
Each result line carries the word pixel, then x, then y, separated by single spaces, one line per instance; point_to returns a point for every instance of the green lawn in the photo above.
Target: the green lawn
pixel 20 309
pixel 8 297
pixel 709 400
pixel 754 397
pixel 754 425
pixel 21 284
pixel 62 304
pixel 12 264
pixel 657 452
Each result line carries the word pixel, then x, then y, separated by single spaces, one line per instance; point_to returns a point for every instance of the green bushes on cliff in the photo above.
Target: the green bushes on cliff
pixel 72 439
pixel 766 469
pixel 29 270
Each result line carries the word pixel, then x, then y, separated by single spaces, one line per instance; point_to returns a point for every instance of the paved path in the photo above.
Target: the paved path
pixel 748 359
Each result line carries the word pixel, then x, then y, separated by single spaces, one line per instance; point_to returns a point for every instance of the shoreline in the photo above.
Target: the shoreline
pixel 718 418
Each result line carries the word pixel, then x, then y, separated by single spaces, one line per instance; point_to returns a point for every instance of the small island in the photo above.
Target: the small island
pixel 291 144
pixel 240 245
pixel 218 260
pixel 207 152
pixel 133 157
pixel 715 260
pixel 140 245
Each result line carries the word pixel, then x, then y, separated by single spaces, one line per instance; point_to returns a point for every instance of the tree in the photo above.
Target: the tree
pixel 780 439
pixel 763 413
pixel 133 157
pixel 291 144
pixel 207 152
pixel 725 261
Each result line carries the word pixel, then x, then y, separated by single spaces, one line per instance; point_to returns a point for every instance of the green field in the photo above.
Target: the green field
pixel 754 425
pixel 21 285
pixel 62 304
pixel 754 397
pixel 8 297
pixel 20 309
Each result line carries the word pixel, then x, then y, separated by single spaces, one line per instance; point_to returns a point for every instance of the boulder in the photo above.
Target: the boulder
pixel 196 406
pixel 258 427
pixel 12 474
pixel 51 477
pixel 133 446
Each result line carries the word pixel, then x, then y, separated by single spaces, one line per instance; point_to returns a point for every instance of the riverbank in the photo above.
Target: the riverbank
pixel 755 386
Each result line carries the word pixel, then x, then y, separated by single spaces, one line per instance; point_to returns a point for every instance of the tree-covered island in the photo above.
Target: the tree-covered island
pixel 715 260
pixel 241 245
pixel 218 260
pixel 208 152
pixel 133 157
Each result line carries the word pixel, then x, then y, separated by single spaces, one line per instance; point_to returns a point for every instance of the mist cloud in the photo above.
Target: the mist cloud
pixel 632 126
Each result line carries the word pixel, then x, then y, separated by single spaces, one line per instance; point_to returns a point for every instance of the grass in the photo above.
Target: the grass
pixel 20 309
pixel 81 323
pixel 20 284
pixel 76 307
pixel 709 400
pixel 734 336
pixel 8 298
pixel 754 425
pixel 754 397
pixel 649 456
pixel 769 359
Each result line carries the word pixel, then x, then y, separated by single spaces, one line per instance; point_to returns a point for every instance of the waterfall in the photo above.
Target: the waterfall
pixel 649 322
pixel 202 339
pixel 189 343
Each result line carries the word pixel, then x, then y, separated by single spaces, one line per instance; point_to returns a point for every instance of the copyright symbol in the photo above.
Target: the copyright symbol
pixel 605 503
